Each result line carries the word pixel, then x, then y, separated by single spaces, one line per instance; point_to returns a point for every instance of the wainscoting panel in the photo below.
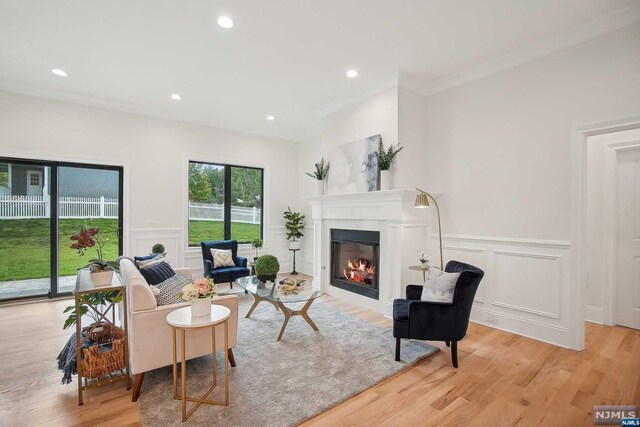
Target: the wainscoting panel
pixel 142 239
pixel 524 289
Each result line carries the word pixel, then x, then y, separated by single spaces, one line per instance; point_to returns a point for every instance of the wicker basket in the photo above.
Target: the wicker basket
pixel 96 362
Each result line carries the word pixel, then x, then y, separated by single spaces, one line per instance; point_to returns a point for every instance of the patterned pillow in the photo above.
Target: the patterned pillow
pixel 144 262
pixel 169 289
pixel 439 286
pixel 222 258
pixel 157 273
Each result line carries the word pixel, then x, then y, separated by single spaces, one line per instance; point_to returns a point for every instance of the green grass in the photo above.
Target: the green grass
pixel 25 244
pixel 213 230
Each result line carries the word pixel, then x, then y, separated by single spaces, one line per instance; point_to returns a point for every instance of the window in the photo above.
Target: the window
pixel 225 202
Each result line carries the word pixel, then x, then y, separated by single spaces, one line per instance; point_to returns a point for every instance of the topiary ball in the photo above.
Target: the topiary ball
pixel 267 267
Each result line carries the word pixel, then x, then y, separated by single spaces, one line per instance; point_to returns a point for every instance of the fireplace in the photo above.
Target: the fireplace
pixel 355 260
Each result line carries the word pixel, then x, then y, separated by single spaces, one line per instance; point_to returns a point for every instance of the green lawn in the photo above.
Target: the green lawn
pixel 213 230
pixel 25 244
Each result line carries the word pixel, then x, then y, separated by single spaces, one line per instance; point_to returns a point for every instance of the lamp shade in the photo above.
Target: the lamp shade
pixel 422 201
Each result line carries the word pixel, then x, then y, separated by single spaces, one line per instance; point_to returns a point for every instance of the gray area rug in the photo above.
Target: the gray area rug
pixel 284 383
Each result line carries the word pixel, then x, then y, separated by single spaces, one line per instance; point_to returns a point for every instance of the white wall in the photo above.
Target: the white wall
pixel 154 153
pixel 499 148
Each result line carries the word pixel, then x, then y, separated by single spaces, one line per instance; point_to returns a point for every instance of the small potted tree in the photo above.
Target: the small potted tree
pixel 320 175
pixel 158 248
pixel 267 267
pixel 294 224
pixel 256 244
pixel 386 157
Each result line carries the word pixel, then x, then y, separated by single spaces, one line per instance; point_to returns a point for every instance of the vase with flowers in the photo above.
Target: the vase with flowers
pixel 199 293
pixel 101 270
pixel 422 257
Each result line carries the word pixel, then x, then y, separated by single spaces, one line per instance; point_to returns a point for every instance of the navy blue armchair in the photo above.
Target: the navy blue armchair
pixel 434 321
pixel 223 274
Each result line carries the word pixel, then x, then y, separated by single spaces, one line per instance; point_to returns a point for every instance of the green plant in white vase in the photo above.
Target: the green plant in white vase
pixel 385 158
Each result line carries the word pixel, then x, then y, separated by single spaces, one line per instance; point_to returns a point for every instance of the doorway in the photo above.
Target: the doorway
pixel 612 294
pixel 44 203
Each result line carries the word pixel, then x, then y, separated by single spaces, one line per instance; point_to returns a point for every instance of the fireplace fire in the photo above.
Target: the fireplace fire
pixel 354 260
pixel 360 271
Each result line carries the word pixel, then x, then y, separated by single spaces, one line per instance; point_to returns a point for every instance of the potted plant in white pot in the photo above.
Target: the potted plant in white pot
pixel 101 270
pixel 294 225
pixel 385 160
pixel 320 175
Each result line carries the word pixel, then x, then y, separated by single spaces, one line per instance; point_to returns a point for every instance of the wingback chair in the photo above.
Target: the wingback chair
pixel 436 321
pixel 223 274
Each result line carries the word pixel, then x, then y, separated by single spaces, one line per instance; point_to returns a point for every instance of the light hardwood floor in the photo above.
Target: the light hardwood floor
pixel 503 379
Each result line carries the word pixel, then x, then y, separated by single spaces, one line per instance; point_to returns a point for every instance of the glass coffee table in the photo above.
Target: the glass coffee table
pixel 270 293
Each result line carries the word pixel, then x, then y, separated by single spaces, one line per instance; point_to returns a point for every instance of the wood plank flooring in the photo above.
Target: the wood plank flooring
pixel 503 379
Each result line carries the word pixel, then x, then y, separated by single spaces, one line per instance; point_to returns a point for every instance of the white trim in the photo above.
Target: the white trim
pixel 593 314
pixel 556 244
pixel 579 211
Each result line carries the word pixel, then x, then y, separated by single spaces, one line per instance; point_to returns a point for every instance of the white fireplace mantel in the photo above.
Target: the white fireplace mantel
pixel 403 231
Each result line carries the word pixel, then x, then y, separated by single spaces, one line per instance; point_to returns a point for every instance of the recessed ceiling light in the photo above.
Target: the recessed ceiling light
pixel 176 97
pixel 352 73
pixel 270 117
pixel 59 72
pixel 225 22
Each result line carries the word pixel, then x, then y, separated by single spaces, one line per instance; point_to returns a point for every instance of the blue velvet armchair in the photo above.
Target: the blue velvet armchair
pixel 434 321
pixel 223 274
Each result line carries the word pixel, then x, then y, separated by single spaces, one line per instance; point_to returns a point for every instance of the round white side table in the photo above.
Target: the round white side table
pixel 181 320
pixel 420 268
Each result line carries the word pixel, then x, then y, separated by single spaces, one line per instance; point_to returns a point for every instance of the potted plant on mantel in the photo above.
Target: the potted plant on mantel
pixel 267 267
pixel 385 160
pixel 294 225
pixel 320 175
pixel 101 270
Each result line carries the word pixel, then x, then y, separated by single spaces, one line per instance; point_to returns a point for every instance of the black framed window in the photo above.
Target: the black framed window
pixel 225 202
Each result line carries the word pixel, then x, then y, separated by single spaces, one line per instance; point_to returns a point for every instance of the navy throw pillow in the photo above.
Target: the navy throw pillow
pixel 143 258
pixel 157 273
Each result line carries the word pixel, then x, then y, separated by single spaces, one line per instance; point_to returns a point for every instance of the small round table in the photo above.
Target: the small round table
pixel 420 268
pixel 181 320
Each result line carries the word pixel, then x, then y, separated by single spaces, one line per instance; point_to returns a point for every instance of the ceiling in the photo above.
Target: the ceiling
pixel 287 58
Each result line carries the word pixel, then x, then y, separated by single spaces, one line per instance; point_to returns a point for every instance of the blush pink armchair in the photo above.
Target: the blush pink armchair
pixel 150 335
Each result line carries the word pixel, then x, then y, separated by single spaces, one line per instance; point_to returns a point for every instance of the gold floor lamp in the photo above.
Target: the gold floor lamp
pixel 422 201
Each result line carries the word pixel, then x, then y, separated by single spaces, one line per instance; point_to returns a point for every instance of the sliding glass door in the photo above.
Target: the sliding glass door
pixel 42 204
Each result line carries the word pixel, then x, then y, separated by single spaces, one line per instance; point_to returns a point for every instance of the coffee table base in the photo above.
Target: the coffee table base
pixel 288 313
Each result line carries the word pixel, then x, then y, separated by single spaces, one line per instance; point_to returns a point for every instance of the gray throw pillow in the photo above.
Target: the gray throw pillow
pixel 168 290
pixel 439 286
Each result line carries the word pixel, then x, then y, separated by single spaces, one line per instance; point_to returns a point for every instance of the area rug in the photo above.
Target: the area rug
pixel 283 383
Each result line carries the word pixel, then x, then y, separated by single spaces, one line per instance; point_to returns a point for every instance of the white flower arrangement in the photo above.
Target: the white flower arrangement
pixel 202 287
pixel 423 256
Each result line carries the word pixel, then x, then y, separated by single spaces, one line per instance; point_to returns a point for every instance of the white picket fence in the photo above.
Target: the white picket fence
pixel 27 207
pixel 215 212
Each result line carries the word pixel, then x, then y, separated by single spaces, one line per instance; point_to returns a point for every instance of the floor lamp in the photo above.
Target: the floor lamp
pixel 422 201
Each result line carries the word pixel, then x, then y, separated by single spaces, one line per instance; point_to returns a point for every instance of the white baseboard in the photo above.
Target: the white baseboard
pixel 594 314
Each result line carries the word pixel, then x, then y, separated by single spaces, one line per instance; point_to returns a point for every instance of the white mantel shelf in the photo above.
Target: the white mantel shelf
pixel 403 231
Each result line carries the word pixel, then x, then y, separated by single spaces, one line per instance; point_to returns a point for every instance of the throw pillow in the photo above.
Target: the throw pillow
pixel 222 258
pixel 157 273
pixel 169 289
pixel 144 262
pixel 440 286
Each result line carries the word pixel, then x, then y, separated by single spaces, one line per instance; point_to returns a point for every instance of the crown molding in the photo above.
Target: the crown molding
pixel 594 28
pixel 40 92
pixel 350 101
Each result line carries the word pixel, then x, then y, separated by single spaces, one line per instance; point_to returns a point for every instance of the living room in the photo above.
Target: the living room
pixel 497 107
